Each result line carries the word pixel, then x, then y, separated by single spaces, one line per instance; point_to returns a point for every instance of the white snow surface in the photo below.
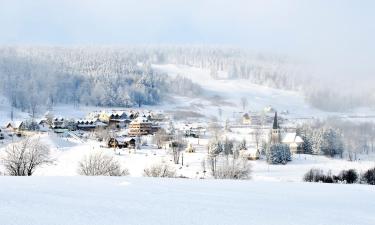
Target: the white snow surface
pixel 147 201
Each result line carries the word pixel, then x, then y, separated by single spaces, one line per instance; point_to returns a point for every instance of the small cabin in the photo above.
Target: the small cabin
pixel 250 154
pixel 121 142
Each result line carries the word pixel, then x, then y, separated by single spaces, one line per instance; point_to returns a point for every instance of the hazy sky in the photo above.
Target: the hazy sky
pixel 329 31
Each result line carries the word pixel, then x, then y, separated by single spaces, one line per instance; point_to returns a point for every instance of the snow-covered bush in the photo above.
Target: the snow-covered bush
pixel 22 159
pixel 236 169
pixel 100 164
pixel 160 170
pixel 279 154
pixel 215 147
pixel 368 177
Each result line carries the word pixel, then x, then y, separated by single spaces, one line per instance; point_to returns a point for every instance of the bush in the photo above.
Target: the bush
pixel 99 164
pixel 347 176
pixel 236 169
pixel 23 158
pixel 317 175
pixel 369 177
pixel 160 170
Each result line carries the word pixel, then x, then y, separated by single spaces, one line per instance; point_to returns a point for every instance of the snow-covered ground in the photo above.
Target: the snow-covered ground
pixel 68 152
pixel 145 201
pixel 275 194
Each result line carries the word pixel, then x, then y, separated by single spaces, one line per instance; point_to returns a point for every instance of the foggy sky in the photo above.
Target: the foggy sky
pixel 338 35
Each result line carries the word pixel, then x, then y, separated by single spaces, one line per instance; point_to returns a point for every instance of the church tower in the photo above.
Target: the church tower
pixel 275 134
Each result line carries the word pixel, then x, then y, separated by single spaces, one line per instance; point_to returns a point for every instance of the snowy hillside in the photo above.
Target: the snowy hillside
pixel 233 90
pixel 226 94
pixel 142 201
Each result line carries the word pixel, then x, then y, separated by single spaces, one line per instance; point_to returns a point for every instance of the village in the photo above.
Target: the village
pixel 133 132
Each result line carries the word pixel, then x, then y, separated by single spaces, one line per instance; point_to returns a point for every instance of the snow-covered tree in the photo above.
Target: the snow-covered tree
pixel 278 154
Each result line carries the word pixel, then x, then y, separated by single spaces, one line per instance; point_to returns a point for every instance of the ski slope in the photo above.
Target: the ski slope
pixel 233 90
pixel 145 201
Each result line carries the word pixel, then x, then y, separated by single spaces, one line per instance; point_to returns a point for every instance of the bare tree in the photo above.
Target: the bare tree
pixel 178 145
pixel 99 164
pixel 244 103
pixel 216 130
pixel 257 134
pixel 160 137
pixel 103 134
pixel 22 159
pixel 160 170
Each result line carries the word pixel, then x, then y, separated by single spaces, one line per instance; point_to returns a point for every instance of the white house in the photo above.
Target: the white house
pixel 293 140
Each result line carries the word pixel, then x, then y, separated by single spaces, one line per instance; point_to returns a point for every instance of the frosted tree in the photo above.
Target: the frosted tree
pixel 23 158
pixel 278 154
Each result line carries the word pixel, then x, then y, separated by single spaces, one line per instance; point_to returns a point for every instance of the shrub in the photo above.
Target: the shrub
pixel 317 175
pixel 347 176
pixel 23 158
pixel 369 177
pixel 236 169
pixel 160 170
pixel 99 164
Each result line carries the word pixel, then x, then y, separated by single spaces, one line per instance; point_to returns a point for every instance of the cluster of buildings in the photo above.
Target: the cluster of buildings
pixel 273 134
pixel 137 123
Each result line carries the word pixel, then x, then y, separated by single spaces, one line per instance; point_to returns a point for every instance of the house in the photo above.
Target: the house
pixel 121 142
pixel 86 125
pixel 140 126
pixel 16 126
pixel 89 125
pixel 116 119
pixel 294 141
pixel 58 122
pixel 252 119
pixel 59 125
pixel 43 125
pixel 250 154
pixel 246 119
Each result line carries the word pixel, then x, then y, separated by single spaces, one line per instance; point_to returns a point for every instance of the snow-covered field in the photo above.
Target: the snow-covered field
pixel 145 201
pixel 68 152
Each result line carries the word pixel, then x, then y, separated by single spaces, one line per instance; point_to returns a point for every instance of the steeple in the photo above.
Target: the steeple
pixel 275 138
pixel 275 122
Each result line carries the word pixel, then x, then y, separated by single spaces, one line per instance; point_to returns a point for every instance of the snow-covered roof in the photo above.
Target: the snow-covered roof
pixel 140 119
pixel 298 139
pixel 124 139
pixel 291 138
pixel 14 124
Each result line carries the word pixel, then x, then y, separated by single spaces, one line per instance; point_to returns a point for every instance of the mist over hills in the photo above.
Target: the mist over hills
pixel 123 76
